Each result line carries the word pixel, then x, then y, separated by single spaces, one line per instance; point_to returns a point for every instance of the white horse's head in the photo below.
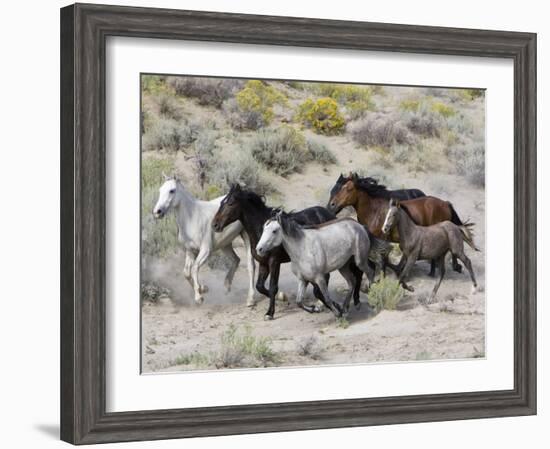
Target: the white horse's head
pixel 167 193
pixel 272 236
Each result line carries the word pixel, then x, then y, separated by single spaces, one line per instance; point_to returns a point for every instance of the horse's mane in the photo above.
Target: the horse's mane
pixel 407 211
pixel 253 198
pixel 371 186
pixel 290 227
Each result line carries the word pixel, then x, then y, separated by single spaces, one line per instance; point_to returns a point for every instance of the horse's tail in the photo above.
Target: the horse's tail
pixel 379 248
pixel 468 235
pixel 454 216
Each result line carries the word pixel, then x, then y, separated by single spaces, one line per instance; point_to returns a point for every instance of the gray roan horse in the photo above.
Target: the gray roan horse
pixel 316 250
pixel 428 242
pixel 194 220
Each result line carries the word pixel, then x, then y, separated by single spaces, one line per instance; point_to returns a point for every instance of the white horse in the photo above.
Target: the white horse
pixel 194 221
pixel 316 250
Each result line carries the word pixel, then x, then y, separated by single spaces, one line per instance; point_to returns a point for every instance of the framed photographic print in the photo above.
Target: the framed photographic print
pixel 274 223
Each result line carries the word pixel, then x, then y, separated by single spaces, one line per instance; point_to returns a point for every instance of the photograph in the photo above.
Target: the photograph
pixel 291 223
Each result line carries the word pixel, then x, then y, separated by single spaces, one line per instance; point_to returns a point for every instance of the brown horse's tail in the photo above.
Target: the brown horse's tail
pixel 454 216
pixel 468 235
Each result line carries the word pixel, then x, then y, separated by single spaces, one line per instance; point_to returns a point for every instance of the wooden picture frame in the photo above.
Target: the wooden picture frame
pixel 84 29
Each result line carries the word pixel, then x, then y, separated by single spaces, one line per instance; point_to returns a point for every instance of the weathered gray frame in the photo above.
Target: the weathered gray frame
pixel 84 29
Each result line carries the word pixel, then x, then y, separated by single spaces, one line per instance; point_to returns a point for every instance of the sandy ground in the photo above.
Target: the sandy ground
pixel 178 335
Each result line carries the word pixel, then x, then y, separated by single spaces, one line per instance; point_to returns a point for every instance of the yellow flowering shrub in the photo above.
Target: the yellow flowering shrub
pixel 443 109
pixel 322 115
pixel 259 97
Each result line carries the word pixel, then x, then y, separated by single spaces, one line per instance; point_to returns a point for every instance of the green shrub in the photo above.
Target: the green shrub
pixel 469 161
pixel 385 294
pixel 443 109
pixel 409 105
pixel 153 84
pixel 243 169
pixel 159 237
pixel 322 115
pixel 379 129
pixel 282 150
pixel 240 348
pixel 424 121
pixel 168 135
pixel 169 106
pixel 319 152
pixel 471 94
pixel 345 93
pixel 207 91
pixel 152 169
pixel 242 119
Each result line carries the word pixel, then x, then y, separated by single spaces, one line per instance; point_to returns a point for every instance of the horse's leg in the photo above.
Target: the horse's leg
pixel 274 271
pixel 230 253
pixel 358 277
pixel 323 287
pixel 468 263
pixel 201 258
pixel 433 263
pixel 349 276
pixel 441 267
pixel 263 273
pixel 251 267
pixel 409 263
pixel 317 292
pixel 456 266
pixel 189 259
pixel 302 284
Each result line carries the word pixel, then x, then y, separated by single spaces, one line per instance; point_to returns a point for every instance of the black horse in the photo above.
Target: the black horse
pixel 250 209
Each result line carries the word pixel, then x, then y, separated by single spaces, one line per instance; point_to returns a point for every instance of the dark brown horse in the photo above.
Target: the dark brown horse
pixel 370 201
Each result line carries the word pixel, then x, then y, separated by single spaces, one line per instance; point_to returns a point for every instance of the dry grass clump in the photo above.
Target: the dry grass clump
pixel 241 348
pixel 385 294
pixel 309 347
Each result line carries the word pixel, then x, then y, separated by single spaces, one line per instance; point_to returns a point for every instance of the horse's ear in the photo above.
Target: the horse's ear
pixel 394 202
pixel 165 176
pixel 341 178
pixel 354 177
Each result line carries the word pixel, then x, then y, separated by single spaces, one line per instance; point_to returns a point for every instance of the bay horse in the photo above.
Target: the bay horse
pixel 194 223
pixel 427 242
pixel 370 201
pixel 317 250
pixel 249 208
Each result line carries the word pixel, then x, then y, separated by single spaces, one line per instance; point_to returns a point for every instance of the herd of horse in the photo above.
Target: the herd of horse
pixel 315 241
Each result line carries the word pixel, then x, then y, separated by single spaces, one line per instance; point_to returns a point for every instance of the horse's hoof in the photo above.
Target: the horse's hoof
pixel 458 268
pixel 268 317
pixel 408 288
pixel 358 306
pixel 199 300
pixel 318 307
pixel 250 302
pixel 281 296
pixel 203 288
pixel 474 290
pixel 432 275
